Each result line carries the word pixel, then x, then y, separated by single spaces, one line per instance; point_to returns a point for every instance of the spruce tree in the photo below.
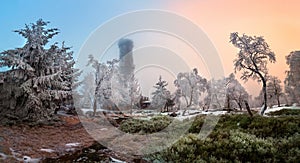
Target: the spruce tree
pixel 39 78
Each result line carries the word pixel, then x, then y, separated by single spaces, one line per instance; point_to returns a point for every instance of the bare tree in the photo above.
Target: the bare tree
pixel 292 80
pixel 252 59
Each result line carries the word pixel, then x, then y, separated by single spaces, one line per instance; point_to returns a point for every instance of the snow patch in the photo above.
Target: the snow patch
pixel 47 150
pixel 72 144
pixel 279 108
pixel 103 129
pixel 116 160
pixel 15 154
pixel 3 156
pixel 25 159
pixel 70 149
pixel 193 113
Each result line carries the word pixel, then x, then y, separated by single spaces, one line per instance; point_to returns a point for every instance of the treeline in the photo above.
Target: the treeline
pixel 41 79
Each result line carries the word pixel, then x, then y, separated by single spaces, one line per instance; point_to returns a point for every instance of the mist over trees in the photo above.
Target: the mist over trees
pixel 292 80
pixel 111 90
pixel 252 59
pixel 235 92
pixel 225 93
pixel 103 74
pixel 216 94
pixel 39 79
pixel 190 85
pixel 87 91
pixel 274 90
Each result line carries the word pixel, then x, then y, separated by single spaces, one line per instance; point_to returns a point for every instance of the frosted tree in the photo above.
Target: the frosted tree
pixel 274 90
pixel 236 92
pixel 252 59
pixel 103 75
pixel 111 91
pixel 191 85
pixel 216 94
pixel 177 98
pixel 126 93
pixel 39 79
pixel 87 91
pixel 160 95
pixel 292 80
pixel 134 91
pixel 226 93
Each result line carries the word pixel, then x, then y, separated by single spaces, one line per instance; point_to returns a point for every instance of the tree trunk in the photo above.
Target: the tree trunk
pixel 186 100
pixel 240 105
pixel 191 98
pixel 248 108
pixel 265 97
pixel 179 104
pixel 95 106
pixel 131 105
pixel 183 113
pixel 228 103
pixel 95 99
pixel 278 101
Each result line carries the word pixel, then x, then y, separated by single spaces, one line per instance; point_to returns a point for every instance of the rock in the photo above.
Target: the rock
pixel 173 114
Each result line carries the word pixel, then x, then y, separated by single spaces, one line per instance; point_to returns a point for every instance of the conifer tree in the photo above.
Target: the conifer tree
pixel 40 76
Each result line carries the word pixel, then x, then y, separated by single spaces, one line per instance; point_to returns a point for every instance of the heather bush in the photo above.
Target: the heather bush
pixel 154 124
pixel 285 112
pixel 238 138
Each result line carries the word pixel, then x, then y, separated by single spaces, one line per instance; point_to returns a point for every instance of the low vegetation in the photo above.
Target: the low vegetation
pixel 235 137
pixel 152 125
pixel 285 112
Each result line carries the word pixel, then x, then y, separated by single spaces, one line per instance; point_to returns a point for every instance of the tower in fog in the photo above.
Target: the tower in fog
pixel 126 66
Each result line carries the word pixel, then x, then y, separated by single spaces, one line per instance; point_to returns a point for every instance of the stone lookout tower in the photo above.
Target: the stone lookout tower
pixel 126 66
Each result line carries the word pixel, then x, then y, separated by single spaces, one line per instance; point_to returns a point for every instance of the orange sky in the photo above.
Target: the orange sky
pixel 278 21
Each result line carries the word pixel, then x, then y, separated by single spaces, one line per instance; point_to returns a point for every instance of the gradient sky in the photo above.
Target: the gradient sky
pixel 277 20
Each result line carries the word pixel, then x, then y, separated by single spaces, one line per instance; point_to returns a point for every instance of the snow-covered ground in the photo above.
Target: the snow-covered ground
pixel 194 113
pixel 273 109
pixel 47 150
pixel 147 114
